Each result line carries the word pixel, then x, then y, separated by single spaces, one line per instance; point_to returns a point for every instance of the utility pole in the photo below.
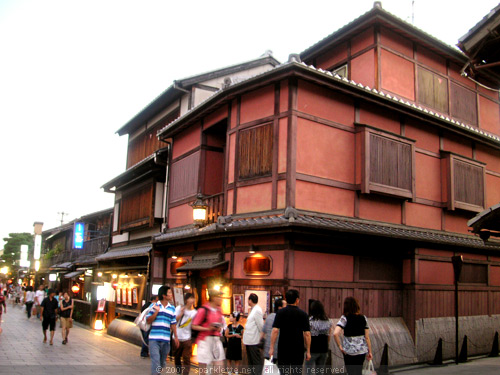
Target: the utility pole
pixel 62 216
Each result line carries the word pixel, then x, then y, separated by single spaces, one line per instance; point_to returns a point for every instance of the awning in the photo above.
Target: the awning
pixel 63 266
pixel 488 219
pixel 74 274
pixel 125 252
pixel 204 262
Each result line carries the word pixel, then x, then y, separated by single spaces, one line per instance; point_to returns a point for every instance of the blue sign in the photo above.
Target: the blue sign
pixel 78 235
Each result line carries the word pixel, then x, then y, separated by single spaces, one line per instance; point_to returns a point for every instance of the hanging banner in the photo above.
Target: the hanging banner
pixel 78 235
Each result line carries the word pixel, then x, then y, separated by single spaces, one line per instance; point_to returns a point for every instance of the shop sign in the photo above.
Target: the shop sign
pixel 78 235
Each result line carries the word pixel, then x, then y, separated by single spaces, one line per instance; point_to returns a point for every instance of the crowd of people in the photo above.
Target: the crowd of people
pixel 46 304
pixel 288 337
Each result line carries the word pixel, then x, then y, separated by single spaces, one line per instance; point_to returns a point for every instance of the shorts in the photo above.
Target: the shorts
pixel 210 350
pixel 46 322
pixel 66 322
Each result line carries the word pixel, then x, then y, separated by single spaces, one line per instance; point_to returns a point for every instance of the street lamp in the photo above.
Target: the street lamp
pixel 199 210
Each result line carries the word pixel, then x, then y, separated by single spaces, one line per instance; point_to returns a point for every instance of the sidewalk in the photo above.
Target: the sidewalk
pixel 87 352
pixel 482 366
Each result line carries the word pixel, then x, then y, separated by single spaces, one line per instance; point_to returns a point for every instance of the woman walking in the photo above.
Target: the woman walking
pixel 66 316
pixel 356 344
pixel 321 328
pixel 29 300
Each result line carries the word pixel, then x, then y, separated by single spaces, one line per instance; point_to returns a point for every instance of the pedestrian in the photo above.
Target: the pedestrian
pixel 48 315
pixel 2 303
pixel 251 336
pixel 184 316
pixel 268 328
pixel 66 314
pixel 291 324
pixel 39 297
pixel 29 300
pixel 321 330
pixel 234 333
pixel 209 321
pixel 356 344
pixel 145 334
pixel 162 320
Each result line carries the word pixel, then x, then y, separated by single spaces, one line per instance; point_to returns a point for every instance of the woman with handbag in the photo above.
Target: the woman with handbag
pixel 321 327
pixel 356 344
pixel 66 316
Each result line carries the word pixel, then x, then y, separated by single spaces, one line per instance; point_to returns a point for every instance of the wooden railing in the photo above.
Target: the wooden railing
pixel 215 207
pixel 91 247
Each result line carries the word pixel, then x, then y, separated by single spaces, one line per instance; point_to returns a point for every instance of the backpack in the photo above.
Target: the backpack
pixel 194 332
pixel 140 321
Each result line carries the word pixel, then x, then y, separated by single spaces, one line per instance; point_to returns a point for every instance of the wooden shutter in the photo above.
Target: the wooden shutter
pixel 137 208
pixel 432 90
pixel 184 178
pixel 255 151
pixel 463 104
pixel 135 151
pixel 468 180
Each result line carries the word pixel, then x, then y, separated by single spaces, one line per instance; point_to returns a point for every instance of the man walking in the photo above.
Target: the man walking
pixel 48 315
pixel 292 326
pixel 162 320
pixel 251 335
pixel 268 328
pixel 184 316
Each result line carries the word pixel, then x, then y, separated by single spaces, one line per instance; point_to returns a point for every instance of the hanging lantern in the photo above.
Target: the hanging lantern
pixel 75 288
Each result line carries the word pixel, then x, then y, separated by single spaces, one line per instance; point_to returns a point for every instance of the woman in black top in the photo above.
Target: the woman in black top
pixel 66 316
pixel 320 336
pixel 234 333
pixel 356 344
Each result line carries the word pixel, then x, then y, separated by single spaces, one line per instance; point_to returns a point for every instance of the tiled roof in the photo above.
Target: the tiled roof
pixel 64 265
pixel 333 224
pixel 125 252
pixel 85 260
pixel 204 262
pixel 74 274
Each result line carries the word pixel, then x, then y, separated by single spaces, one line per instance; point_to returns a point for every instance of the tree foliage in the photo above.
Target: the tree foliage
pixel 12 248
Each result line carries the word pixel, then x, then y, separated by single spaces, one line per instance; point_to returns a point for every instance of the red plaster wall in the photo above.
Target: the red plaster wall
pixel 495 275
pixel 396 42
pixel 454 72
pixel 232 157
pixel 362 40
pixel 323 267
pixel 282 145
pixel 428 177
pixel 324 151
pixel 397 75
pixel 215 117
pixel 426 137
pixel 363 68
pixel 230 198
pixel 180 215
pixel 489 156
pixel 438 253
pixel 491 94
pixel 492 190
pixel 431 59
pixel 457 222
pixel 281 199
pixel 474 256
pixel 333 56
pixel 457 145
pixel 406 271
pixel 284 94
pixel 257 104
pixel 440 273
pixel 214 167
pixel 489 115
pixel 324 103
pixel 254 198
pixel 186 141
pixel 278 265
pixel 418 215
pixel 321 198
pixel 380 208
pixel 380 118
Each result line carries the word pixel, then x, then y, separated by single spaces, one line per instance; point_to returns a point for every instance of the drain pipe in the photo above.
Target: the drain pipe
pixel 167 184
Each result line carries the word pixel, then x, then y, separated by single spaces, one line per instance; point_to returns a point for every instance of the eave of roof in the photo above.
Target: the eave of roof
pixel 371 93
pixel 487 219
pixel 172 92
pixel 479 31
pixel 378 13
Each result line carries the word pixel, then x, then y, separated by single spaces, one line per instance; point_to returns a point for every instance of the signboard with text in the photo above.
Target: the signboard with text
pixel 78 235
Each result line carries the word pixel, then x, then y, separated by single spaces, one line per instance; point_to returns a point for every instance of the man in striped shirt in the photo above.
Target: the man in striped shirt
pixel 162 320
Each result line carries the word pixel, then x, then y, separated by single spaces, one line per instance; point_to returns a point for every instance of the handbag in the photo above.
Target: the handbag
pixel 368 368
pixel 270 368
pixel 140 321
pixel 33 312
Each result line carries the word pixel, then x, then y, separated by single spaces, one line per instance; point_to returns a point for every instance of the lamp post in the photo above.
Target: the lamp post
pixel 457 261
pixel 199 210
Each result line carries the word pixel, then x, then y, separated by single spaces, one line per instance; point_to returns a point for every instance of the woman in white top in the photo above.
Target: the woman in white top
pixel 30 300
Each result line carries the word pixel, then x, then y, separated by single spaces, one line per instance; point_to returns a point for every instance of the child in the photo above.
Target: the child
pixel 234 333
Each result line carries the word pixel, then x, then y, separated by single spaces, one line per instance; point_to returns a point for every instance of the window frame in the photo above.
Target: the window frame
pixel 363 148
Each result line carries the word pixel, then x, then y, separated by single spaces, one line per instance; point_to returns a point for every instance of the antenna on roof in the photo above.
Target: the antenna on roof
pixel 413 12
pixel 267 53
pixel 377 4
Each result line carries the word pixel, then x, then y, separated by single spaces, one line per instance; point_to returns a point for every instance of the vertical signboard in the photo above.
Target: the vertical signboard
pixel 24 256
pixel 78 235
pixel 38 246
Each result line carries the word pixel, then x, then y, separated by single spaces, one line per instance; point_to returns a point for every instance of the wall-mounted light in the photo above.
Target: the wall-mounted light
pixel 114 276
pixel 252 249
pixel 187 287
pixel 99 274
pixel 174 256
pixel 140 274
pixel 199 210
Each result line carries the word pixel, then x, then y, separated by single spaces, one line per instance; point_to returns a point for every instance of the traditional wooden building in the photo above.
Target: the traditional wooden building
pixel 351 169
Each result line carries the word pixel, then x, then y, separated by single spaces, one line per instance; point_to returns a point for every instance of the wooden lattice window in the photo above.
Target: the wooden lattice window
pixel 137 208
pixel 465 182
pixel 463 104
pixel 184 178
pixel 257 265
pixel 256 151
pixel 387 163
pixel 432 90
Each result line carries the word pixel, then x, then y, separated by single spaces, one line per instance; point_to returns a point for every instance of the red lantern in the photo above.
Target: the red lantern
pixel 75 288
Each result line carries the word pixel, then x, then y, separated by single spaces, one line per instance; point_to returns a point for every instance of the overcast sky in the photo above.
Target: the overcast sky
pixel 73 72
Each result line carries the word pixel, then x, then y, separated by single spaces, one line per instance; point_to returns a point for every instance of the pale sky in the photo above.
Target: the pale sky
pixel 73 72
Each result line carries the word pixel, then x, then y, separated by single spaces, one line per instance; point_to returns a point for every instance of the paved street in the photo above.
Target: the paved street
pixel 89 352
